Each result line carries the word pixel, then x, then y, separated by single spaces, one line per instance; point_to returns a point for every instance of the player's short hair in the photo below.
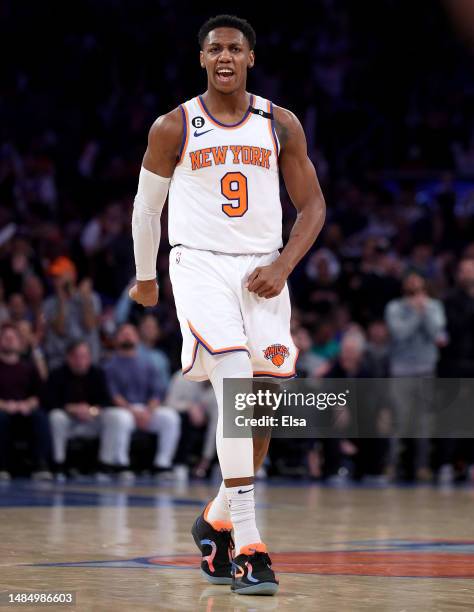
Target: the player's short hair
pixel 228 21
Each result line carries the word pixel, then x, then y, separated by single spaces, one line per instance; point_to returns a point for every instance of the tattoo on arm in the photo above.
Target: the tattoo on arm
pixel 282 133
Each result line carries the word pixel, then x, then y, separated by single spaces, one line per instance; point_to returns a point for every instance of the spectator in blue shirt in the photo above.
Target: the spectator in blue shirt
pixel 149 331
pixel 134 384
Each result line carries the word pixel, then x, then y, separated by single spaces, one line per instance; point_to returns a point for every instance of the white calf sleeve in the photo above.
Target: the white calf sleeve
pixel 235 454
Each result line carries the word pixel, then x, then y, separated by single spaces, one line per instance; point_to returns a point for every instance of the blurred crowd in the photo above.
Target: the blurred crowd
pixel 387 291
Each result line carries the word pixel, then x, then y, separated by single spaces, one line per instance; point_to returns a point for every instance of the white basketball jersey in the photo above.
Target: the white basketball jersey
pixel 224 194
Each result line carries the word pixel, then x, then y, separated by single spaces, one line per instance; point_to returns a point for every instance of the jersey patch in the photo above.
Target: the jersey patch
pixel 198 122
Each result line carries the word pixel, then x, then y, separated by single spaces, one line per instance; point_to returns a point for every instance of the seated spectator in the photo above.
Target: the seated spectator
pixel 80 407
pixel 378 349
pixel 208 408
pixel 20 412
pixel 309 365
pixel 350 363
pixel 31 349
pixel 325 342
pixel 72 313
pixel 134 385
pixel 369 455
pixel 149 331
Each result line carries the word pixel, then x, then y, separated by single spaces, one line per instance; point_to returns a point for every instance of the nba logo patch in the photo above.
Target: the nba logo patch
pixel 276 353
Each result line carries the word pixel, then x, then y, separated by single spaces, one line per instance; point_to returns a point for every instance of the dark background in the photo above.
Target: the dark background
pixel 384 90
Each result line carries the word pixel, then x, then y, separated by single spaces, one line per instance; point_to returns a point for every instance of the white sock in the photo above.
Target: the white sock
pixel 218 510
pixel 242 513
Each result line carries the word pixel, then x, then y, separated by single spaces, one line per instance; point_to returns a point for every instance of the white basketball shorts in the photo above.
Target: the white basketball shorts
pixel 218 314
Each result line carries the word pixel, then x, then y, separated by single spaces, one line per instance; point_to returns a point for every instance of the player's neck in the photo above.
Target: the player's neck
pixel 229 104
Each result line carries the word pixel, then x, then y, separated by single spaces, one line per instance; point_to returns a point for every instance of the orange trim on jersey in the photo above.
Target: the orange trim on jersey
pixel 281 374
pixel 270 127
pixel 222 125
pixel 186 128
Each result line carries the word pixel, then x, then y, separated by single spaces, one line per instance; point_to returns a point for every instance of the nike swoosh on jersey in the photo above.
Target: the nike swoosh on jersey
pixel 247 491
pixel 196 133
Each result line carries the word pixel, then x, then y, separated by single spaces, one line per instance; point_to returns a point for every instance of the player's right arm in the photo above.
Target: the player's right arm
pixel 162 154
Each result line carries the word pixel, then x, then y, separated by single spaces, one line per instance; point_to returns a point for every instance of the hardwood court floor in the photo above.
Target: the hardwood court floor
pixel 129 548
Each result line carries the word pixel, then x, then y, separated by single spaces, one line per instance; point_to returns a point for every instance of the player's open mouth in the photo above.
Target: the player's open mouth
pixel 224 74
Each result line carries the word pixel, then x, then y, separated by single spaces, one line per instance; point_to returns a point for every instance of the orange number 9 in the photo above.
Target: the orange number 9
pixel 234 187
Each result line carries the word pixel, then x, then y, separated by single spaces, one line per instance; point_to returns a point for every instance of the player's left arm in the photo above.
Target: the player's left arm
pixel 305 192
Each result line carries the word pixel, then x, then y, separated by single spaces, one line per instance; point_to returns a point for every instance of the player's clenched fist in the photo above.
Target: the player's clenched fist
pixel 145 292
pixel 267 281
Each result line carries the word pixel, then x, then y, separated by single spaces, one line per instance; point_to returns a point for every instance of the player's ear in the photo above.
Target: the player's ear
pixel 251 59
pixel 201 59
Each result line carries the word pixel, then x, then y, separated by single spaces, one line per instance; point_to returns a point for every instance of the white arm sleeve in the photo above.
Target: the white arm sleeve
pixel 146 228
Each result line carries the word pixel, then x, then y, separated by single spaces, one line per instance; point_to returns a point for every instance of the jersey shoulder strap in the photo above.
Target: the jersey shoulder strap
pixel 262 107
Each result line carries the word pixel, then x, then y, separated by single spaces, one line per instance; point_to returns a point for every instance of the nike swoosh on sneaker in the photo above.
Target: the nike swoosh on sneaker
pixel 196 133
pixel 247 491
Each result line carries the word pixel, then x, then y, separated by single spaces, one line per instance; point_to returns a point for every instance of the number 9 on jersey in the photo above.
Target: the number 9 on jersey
pixel 234 188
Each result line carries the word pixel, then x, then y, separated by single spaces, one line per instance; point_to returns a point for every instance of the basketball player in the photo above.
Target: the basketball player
pixel 219 156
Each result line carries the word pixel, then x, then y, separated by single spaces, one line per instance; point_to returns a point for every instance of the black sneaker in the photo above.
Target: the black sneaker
pixel 216 548
pixel 252 575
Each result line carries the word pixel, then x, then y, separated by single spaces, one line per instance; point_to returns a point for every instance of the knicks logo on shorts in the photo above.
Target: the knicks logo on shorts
pixel 276 353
